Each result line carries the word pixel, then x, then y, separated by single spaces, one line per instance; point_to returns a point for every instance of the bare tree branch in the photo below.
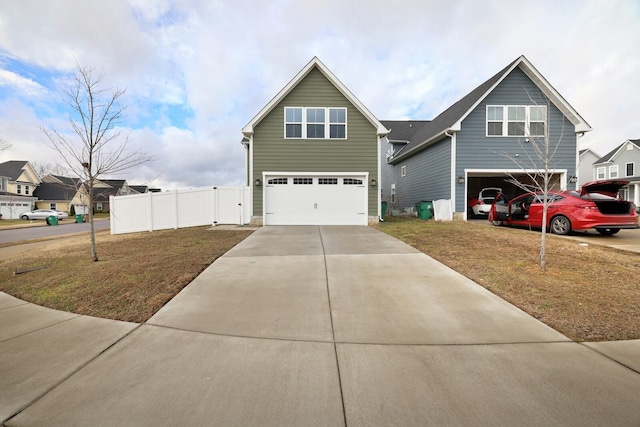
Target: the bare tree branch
pixel 94 147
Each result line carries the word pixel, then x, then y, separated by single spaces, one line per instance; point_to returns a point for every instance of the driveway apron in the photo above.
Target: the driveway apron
pixel 328 326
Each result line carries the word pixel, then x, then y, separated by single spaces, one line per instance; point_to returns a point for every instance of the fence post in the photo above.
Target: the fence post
pixel 111 215
pixel 150 195
pixel 175 202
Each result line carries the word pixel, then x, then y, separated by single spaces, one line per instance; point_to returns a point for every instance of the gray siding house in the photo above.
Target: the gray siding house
pixel 623 162
pixel 586 159
pixel 481 139
pixel 313 155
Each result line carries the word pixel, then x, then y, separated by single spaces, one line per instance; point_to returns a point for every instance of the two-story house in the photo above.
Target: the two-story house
pixel 586 159
pixel 312 154
pixel 482 139
pixel 18 181
pixel 623 162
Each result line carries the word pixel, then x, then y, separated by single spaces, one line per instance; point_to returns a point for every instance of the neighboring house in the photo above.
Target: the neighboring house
pixel 18 181
pixel 56 192
pixel 586 159
pixel 462 150
pixel 139 189
pixel 312 154
pixel 102 190
pixel 623 162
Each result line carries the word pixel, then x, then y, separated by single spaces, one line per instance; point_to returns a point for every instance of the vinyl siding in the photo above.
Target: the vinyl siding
pixel 477 151
pixel 427 176
pixel 625 156
pixel 357 153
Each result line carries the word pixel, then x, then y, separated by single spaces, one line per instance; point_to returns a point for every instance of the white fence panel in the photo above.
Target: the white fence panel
pixel 195 207
pixel 180 208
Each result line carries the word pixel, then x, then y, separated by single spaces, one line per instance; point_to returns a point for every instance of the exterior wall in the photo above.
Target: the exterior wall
pixel 60 206
pixel 624 156
pixel 272 152
pixel 474 150
pixel 586 171
pixel 427 176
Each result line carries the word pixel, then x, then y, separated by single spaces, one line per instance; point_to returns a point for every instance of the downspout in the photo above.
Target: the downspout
pixel 577 167
pixel 452 135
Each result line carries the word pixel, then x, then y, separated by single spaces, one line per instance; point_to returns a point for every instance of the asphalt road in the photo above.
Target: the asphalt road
pixel 65 228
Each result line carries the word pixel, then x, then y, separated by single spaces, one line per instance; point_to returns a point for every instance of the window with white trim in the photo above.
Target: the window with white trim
pixel 613 171
pixel 315 123
pixel 19 188
pixel 328 181
pixel 601 173
pixel 351 181
pixel 53 206
pixel 403 171
pixel 629 167
pixel 277 181
pixel 516 120
pixel 302 181
pixel 26 190
pixel 98 206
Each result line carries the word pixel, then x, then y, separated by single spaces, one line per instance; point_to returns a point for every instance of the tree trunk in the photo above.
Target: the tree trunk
pixel 94 250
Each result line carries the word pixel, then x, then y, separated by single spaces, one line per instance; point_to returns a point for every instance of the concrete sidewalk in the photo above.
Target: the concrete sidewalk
pixel 322 326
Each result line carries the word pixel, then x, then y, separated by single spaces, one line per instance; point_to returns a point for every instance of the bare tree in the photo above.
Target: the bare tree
pixel 538 165
pixel 44 169
pixel 94 147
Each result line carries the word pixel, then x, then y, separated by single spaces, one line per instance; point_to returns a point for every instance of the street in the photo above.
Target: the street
pixel 66 227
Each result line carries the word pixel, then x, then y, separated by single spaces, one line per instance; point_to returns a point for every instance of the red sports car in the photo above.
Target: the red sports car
pixel 597 206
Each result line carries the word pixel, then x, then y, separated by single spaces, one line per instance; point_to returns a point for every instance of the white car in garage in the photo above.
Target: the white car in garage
pixel 481 205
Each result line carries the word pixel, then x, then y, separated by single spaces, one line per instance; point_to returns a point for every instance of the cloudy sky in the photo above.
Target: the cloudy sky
pixel 196 71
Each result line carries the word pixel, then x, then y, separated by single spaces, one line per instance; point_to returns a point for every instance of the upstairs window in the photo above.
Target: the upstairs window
pixel 19 188
pixel 601 173
pixel 630 169
pixel 293 122
pixel 315 123
pixel 516 120
pixel 26 190
pixel 613 171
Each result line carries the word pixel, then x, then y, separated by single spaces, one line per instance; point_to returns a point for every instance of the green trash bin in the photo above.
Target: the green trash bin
pixel 79 218
pixel 424 210
pixel 52 220
pixel 383 210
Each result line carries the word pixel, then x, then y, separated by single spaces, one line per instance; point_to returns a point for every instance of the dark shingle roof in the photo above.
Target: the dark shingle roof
pixel 12 169
pixel 55 191
pixel 403 130
pixel 139 188
pixel 609 156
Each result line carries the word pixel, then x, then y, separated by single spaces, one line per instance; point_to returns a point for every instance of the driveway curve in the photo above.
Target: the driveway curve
pixel 328 326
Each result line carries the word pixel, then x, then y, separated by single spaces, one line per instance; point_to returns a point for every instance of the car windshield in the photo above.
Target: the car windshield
pixel 491 193
pixel 592 196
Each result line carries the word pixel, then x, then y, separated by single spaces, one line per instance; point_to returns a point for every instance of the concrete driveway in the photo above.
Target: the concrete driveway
pixel 323 326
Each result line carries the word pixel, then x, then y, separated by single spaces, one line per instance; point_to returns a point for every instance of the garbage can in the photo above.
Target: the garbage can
pixel 424 210
pixel 79 218
pixel 383 210
pixel 52 220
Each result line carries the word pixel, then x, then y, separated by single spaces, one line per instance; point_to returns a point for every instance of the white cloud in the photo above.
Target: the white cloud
pixel 222 61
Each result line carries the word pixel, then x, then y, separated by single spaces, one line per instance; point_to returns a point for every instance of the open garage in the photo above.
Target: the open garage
pixel 475 181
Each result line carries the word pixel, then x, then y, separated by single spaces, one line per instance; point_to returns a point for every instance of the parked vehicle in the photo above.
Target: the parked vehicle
pixel 481 205
pixel 43 214
pixel 596 206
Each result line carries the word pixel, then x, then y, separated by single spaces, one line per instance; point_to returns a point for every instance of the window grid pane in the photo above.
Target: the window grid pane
pixel 328 181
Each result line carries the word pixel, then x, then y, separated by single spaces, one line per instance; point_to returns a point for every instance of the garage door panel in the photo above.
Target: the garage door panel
pixel 323 200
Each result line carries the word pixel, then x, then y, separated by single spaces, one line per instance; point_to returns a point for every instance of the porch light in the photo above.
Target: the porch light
pixel 257 182
pixel 573 179
pixel 373 182
pixel 461 180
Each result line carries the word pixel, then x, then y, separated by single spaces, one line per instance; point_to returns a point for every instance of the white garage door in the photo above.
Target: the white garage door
pixel 315 200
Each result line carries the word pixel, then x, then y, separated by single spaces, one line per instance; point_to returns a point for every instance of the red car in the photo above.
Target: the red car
pixel 597 206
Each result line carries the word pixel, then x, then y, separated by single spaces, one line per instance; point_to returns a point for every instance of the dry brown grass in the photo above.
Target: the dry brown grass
pixel 136 275
pixel 589 293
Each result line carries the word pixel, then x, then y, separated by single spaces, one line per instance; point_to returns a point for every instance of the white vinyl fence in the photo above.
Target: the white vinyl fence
pixel 179 209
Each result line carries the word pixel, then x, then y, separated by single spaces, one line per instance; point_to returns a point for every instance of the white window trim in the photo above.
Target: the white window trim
pixel 99 206
pixel 18 188
pixel 403 170
pixel 327 123
pixel 626 166
pixel 613 168
pixel 505 121
pixel 601 171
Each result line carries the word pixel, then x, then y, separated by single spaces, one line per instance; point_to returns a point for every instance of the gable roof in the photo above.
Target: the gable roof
pixel 611 155
pixel 315 63
pixel 139 188
pixel 451 119
pixel 12 169
pixel 403 130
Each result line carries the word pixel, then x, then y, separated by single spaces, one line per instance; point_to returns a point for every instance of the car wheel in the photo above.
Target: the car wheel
pixel 607 231
pixel 560 225
pixel 24 217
